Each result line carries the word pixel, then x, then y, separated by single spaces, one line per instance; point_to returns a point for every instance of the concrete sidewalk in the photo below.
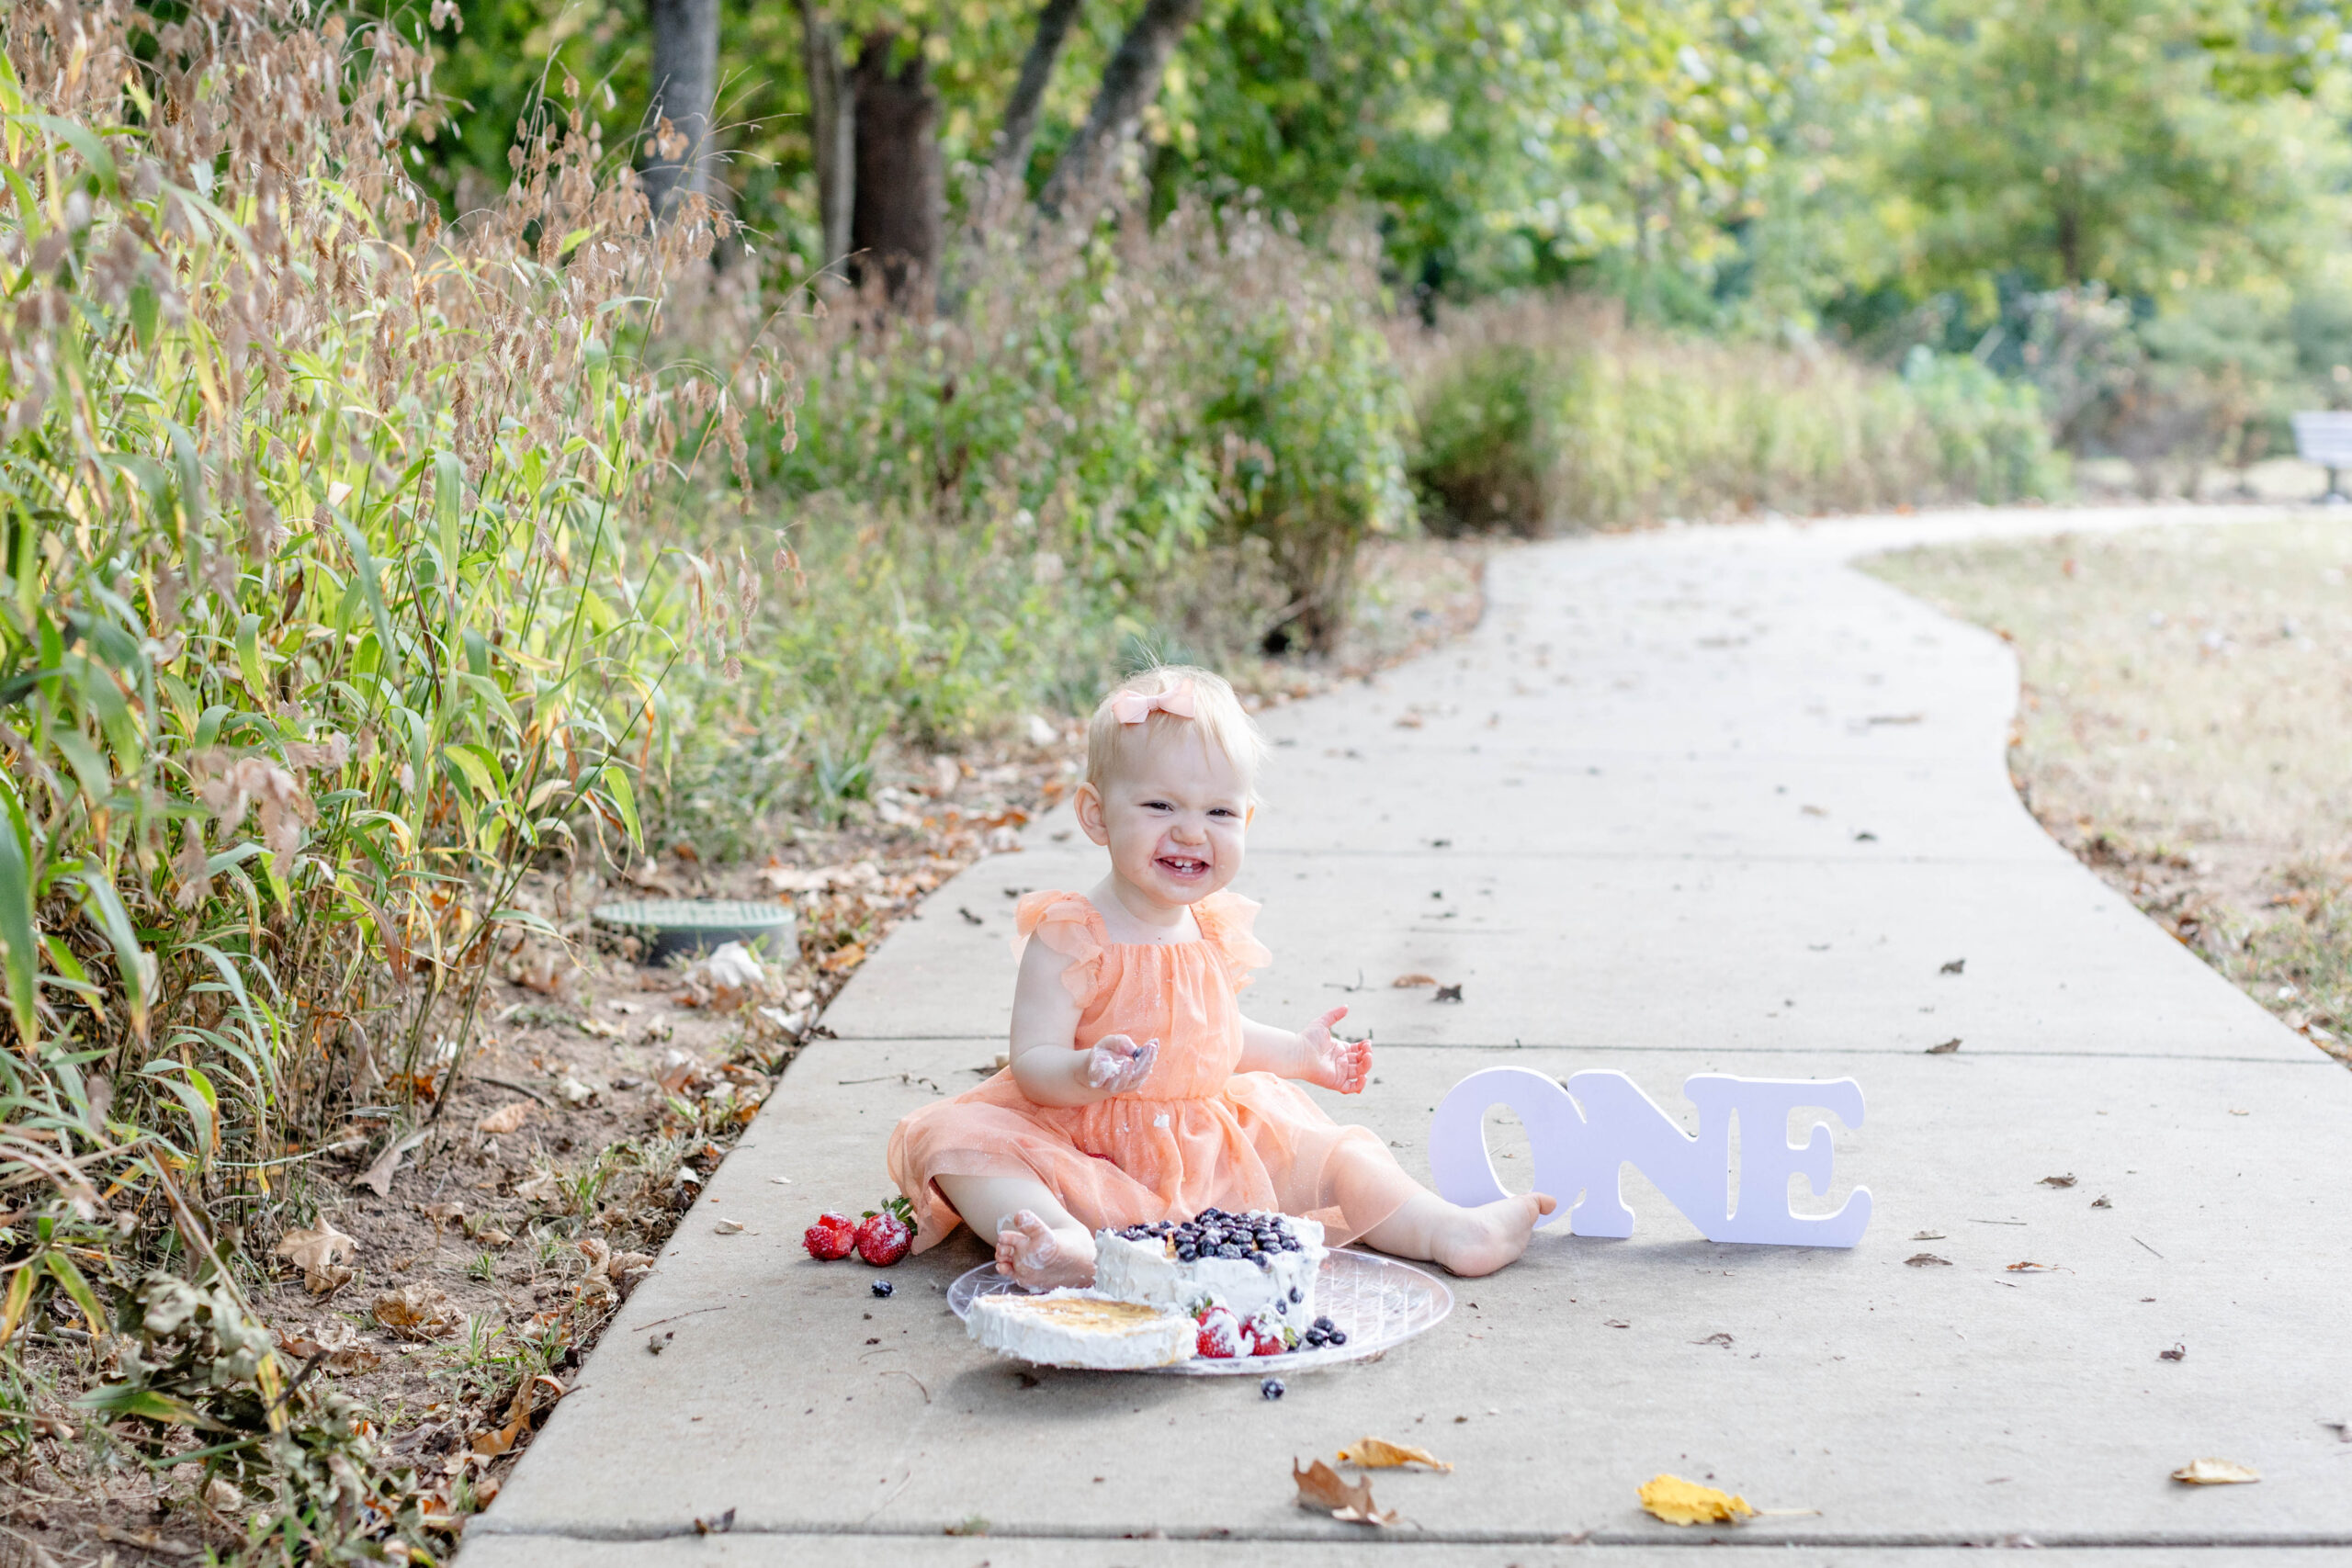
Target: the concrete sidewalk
pixel 1694 801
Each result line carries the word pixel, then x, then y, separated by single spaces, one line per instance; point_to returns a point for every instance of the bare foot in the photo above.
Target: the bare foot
pixel 1479 1241
pixel 1043 1258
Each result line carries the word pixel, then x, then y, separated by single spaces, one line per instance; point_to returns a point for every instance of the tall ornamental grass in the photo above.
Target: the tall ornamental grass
pixel 1538 415
pixel 322 617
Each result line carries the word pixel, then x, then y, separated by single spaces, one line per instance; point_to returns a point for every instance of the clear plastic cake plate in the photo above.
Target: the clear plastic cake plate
pixel 1379 1302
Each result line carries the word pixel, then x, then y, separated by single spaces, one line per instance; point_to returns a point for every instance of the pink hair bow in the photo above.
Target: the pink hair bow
pixel 1134 708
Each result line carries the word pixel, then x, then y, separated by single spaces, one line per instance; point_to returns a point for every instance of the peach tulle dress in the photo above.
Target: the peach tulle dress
pixel 1196 1133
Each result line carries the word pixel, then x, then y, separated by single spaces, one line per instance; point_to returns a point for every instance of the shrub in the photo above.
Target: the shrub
pixel 321 617
pixel 1539 414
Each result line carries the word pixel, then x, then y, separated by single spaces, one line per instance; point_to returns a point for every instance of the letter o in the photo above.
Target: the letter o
pixel 1459 1162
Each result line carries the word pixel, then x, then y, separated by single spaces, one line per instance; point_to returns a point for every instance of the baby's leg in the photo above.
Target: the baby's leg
pixel 1038 1242
pixel 1462 1241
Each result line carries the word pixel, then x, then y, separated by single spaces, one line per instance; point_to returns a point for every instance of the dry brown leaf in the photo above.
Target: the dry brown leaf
pixel 1410 982
pixel 599 1028
pixel 2030 1267
pixel 504 1120
pixel 1928 1260
pixel 1377 1453
pixel 318 1253
pixel 377 1178
pixel 1680 1502
pixel 1319 1486
pixel 490 1445
pixel 842 959
pixel 338 1344
pixel 537 1189
pixel 2214 1472
pixel 2057 1181
pixel 418 1311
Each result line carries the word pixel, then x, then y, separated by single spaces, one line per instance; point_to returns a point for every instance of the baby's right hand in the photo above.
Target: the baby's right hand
pixel 1116 1064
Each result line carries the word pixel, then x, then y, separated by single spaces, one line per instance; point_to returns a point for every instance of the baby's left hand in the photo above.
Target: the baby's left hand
pixel 1334 1063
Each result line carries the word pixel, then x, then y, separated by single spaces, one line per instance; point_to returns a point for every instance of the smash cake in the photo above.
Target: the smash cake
pixel 1217 1286
pixel 1082 1329
pixel 1248 1264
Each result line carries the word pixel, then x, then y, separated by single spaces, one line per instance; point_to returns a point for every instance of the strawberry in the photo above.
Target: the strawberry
pixel 885 1234
pixel 1264 1336
pixel 1220 1336
pixel 830 1237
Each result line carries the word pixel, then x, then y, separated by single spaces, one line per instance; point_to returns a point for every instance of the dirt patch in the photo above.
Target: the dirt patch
pixel 2185 696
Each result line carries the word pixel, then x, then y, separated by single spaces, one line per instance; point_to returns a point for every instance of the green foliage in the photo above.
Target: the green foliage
pixel 1541 416
pixel 2153 146
pixel 320 619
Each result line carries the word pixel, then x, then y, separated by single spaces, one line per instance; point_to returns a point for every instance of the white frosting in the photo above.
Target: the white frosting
pixel 1148 1270
pixel 1056 1329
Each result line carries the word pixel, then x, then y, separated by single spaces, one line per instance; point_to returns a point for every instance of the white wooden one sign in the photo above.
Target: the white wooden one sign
pixel 1585 1134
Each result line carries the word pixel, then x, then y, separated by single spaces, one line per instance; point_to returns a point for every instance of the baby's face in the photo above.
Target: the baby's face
pixel 1173 820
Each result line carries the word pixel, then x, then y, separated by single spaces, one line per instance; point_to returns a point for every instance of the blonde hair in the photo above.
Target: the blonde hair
pixel 1223 722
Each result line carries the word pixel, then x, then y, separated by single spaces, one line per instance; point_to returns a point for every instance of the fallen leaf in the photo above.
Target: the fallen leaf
pixel 442 1214
pixel 2057 1181
pixel 1614 1322
pixel 2031 1268
pixel 1722 1339
pixel 843 958
pixel 2177 1353
pixel 504 1120
pixel 377 1178
pixel 318 1252
pixel 727 1227
pixel 2213 1472
pixel 1927 1235
pixel 1928 1260
pixel 418 1311
pixel 1409 721
pixel 1954 967
pixel 1319 1486
pixel 2343 1430
pixel 1946 1049
pixel 490 1445
pixel 599 1028
pixel 1680 1502
pixel 2240 1112
pixel 2101 1203
pixel 337 1345
pixel 1378 1453
pixel 1446 994
pixel 537 1189
pixel 1409 981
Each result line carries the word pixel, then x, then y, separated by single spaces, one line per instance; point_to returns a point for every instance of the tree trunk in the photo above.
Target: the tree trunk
pixel 1029 93
pixel 897 213
pixel 832 125
pixel 1130 82
pixel 686 83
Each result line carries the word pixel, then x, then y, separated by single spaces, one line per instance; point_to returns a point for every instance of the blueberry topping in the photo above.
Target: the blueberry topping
pixel 1339 1337
pixel 882 1287
pixel 1270 1389
pixel 1295 1295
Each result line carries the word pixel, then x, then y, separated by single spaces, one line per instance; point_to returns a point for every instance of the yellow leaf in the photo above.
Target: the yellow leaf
pixel 1680 1502
pixel 1375 1453
pixel 2213 1472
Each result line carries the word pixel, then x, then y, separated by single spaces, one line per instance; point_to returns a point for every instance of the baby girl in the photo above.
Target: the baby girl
pixel 1137 1090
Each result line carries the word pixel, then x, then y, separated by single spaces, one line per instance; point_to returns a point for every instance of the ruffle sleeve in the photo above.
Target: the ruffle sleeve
pixel 1066 924
pixel 1227 921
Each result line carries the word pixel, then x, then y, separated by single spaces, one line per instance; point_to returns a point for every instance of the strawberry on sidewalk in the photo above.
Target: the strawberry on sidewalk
pixel 885 1234
pixel 833 1237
